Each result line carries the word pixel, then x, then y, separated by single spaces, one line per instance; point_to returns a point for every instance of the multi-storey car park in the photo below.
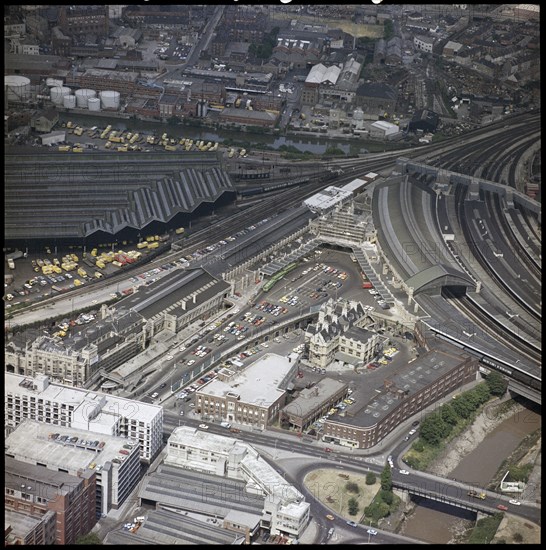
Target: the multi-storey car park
pixel 113 459
pixel 37 398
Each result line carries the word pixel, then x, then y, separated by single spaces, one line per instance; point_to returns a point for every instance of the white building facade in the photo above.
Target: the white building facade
pixel 39 399
pixel 285 510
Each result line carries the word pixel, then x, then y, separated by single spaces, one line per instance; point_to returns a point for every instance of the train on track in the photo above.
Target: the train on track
pixel 274 187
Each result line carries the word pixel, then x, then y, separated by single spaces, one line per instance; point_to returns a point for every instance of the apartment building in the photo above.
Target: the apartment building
pixel 37 398
pixel 37 492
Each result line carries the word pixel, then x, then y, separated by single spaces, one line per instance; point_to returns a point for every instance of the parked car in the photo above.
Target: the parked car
pixel 154 395
pixel 404 472
pixel 352 523
pixel 203 426
pixel 371 532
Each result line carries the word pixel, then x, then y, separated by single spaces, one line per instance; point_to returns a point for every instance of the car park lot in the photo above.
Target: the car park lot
pixel 332 274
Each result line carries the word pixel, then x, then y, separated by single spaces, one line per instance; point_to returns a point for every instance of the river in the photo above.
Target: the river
pixel 315 144
pixel 437 523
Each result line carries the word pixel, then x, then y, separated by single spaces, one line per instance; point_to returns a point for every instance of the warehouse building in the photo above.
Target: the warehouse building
pixel 313 403
pixel 104 200
pixel 41 400
pixel 241 487
pixel 113 459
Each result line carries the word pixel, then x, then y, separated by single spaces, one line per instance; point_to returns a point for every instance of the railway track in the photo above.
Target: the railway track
pixel 494 328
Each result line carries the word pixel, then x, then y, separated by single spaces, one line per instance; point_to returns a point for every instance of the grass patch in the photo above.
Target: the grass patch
pixel 485 530
pixel 389 508
pixel 330 488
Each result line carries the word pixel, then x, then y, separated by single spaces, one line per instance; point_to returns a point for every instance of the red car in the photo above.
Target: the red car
pixel 502 507
pixel 328 450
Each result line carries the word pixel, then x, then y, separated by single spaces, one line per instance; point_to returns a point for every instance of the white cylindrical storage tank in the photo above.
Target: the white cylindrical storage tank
pixel 53 82
pixel 17 87
pixel 93 103
pixel 69 101
pixel 83 95
pixel 58 92
pixel 109 99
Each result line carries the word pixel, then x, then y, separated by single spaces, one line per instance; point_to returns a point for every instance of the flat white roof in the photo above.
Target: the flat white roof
pixel 384 125
pixel 192 437
pixel 327 198
pixel 93 411
pixel 30 442
pixel 257 385
pixel 353 185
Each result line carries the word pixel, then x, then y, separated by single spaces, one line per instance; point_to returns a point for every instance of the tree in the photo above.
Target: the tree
pixel 388 28
pixel 483 392
pixel 434 429
pixel 449 416
pixel 497 384
pixel 90 538
pixel 352 506
pixel 377 510
pixel 352 487
pixel 370 478
pixel 518 537
pixel 387 497
pixel 386 478
pixel 462 406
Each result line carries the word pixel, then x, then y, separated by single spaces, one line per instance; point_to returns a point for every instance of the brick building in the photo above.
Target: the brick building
pixel 35 491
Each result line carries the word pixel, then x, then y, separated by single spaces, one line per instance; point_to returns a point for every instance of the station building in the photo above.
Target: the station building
pixel 120 333
pixel 338 334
